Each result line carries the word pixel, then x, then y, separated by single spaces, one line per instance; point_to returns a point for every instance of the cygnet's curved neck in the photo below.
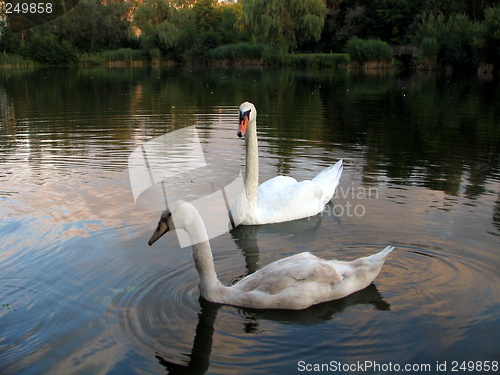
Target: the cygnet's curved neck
pixel 202 256
pixel 252 164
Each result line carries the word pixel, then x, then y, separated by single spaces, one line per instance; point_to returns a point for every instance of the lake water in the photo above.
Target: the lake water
pixel 82 292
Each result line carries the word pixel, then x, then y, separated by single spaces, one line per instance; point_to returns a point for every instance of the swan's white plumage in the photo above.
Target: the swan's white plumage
pixel 281 198
pixel 295 282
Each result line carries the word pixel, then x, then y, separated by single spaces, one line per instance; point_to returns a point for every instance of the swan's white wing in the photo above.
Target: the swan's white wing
pixel 329 179
pixel 283 198
pixel 302 280
pixel 284 273
pixel 289 201
pixel 276 183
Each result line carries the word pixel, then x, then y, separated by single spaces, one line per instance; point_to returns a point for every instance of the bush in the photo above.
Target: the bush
pixel 126 55
pixel 320 60
pixel 274 56
pixel 449 41
pixel 123 55
pixel 91 59
pixel 155 55
pixel 369 51
pixel 15 61
pixel 427 54
pixel 487 46
pixel 236 52
pixel 48 50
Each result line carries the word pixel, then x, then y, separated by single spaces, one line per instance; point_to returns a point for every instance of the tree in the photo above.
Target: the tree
pixel 153 22
pixel 393 18
pixel 450 39
pixel 284 23
pixel 92 25
pixel 488 40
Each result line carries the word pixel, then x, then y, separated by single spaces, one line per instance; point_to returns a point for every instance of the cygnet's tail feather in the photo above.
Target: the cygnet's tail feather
pixel 380 256
pixel 329 178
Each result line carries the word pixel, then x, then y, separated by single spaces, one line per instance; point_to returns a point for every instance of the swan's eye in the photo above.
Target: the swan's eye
pixel 246 113
pixel 165 215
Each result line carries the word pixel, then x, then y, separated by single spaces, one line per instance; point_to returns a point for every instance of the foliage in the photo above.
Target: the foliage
pixel 488 37
pixel 392 19
pixel 371 50
pixel 185 32
pixel 47 49
pixel 427 54
pixel 449 41
pixel 127 55
pixel 284 23
pixel 155 23
pixel 15 61
pixel 320 60
pixel 461 34
pixel 237 52
pixel 92 25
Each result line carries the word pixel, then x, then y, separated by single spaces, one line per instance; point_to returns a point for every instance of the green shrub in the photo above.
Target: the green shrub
pixel 319 60
pixel 48 50
pixel 427 54
pixel 274 56
pixel 236 52
pixel 369 51
pixel 487 44
pixel 15 61
pixel 447 40
pixel 126 55
pixel 91 59
pixel 122 55
pixel 154 54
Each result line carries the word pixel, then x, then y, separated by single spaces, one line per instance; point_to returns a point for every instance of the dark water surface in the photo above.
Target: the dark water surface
pixel 81 292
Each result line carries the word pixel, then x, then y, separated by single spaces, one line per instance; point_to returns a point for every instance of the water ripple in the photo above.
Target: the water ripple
pixel 159 314
pixel 28 317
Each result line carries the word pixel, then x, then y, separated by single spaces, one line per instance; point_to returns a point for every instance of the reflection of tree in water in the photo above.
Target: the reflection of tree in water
pixel 496 213
pixel 429 132
pixel 199 358
pixel 418 130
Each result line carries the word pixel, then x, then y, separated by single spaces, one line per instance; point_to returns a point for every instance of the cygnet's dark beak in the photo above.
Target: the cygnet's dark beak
pixel 160 230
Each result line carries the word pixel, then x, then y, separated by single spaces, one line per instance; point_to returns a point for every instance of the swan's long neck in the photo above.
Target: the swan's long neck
pixel 203 259
pixel 252 164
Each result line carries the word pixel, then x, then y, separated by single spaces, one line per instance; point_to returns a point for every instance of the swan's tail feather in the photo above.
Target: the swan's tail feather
pixel 329 178
pixel 380 256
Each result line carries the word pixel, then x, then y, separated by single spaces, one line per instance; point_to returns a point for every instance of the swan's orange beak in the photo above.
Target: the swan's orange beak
pixel 242 128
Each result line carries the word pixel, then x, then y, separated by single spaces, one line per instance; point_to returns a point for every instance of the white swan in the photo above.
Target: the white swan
pixel 295 282
pixel 281 198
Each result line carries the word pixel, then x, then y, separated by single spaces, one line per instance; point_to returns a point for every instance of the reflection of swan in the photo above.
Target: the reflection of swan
pixel 322 311
pixel 281 198
pixel 295 282
pixel 246 236
pixel 199 358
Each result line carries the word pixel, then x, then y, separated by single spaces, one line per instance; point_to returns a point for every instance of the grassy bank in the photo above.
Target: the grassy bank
pixel 220 56
pixel 319 60
pixel 16 61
